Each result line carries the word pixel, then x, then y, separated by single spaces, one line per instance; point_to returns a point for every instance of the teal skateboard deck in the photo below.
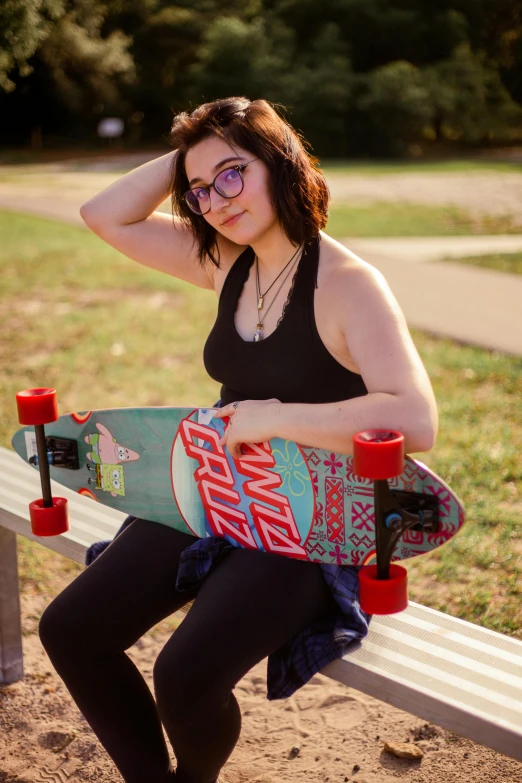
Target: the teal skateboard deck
pixel 166 465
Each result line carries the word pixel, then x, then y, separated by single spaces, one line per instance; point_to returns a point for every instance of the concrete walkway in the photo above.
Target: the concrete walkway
pixel 420 249
pixel 477 306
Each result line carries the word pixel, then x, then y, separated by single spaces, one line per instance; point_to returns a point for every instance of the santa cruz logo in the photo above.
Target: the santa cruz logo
pixel 240 497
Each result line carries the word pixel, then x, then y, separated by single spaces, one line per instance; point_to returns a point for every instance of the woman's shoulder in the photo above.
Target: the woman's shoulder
pixel 338 263
pixel 350 289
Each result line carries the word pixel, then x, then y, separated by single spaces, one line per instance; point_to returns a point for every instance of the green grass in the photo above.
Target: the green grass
pixel 77 315
pixel 387 219
pixel 502 262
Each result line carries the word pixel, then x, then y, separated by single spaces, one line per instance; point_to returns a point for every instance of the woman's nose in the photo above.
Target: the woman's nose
pixel 217 201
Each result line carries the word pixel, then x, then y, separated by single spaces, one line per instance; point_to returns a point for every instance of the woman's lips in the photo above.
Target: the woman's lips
pixel 233 220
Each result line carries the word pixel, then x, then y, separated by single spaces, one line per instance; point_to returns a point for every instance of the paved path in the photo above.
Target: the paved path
pixel 477 306
pixel 420 249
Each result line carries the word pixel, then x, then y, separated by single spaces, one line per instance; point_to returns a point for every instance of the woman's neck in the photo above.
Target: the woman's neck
pixel 273 252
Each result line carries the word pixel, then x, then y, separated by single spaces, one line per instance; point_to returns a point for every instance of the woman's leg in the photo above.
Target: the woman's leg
pixel 129 588
pixel 248 607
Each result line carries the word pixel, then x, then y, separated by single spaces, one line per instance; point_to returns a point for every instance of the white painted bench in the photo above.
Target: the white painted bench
pixel 455 674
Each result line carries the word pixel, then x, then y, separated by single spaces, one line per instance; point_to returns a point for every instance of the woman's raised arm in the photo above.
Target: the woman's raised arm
pixel 124 216
pixel 134 196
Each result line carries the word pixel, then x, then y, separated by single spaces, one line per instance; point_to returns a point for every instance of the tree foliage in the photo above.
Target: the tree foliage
pixel 355 76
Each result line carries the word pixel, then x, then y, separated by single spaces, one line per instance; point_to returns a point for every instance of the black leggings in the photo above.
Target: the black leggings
pixel 251 604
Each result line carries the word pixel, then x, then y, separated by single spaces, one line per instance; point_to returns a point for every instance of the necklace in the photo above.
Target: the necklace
pixel 258 334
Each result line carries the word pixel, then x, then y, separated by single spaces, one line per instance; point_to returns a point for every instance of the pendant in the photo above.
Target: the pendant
pixel 258 335
pixel 260 302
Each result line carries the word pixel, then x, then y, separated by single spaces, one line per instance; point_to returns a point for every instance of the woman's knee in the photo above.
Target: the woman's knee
pixel 54 625
pixel 184 690
pixel 64 625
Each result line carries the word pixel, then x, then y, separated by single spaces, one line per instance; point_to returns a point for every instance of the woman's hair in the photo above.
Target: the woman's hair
pixel 298 191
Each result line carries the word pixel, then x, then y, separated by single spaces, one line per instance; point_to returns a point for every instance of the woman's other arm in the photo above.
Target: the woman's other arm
pixel 400 395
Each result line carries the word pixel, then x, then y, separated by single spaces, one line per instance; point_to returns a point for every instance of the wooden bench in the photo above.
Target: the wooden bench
pixel 453 673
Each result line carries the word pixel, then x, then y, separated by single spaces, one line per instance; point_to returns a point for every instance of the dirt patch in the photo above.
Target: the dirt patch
pixel 478 193
pixel 325 732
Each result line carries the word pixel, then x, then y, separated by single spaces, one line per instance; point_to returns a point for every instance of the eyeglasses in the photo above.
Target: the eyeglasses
pixel 228 183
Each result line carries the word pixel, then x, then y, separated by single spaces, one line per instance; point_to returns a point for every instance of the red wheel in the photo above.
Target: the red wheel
pixel 383 596
pixel 49 521
pixel 37 406
pixel 378 454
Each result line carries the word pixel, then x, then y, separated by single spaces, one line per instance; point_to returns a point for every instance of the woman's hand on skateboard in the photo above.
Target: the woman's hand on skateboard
pixel 252 421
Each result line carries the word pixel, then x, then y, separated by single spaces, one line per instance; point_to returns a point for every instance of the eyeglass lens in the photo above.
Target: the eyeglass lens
pixel 228 183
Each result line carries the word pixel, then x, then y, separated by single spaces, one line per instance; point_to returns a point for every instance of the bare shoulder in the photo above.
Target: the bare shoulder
pixel 372 325
pixel 340 261
pixel 347 278
pixel 360 306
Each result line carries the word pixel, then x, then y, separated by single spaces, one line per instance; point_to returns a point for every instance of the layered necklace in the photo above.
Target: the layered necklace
pixel 258 334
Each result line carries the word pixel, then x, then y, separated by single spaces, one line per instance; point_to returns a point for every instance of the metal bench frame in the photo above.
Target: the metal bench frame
pixel 455 674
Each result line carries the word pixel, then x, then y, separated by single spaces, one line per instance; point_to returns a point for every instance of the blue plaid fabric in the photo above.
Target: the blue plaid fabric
pixel 294 664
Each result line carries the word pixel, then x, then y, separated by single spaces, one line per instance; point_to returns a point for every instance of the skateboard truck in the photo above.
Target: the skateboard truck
pixel 60 453
pixel 38 407
pixel 379 455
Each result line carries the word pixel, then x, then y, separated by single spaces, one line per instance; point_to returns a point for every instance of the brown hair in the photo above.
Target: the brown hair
pixel 297 189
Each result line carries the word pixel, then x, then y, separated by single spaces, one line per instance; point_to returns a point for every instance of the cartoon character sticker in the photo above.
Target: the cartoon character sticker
pixel 105 448
pixel 107 454
pixel 109 478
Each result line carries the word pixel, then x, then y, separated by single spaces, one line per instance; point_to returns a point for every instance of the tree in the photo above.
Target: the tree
pixel 73 72
pixel 318 89
pixel 468 99
pixel 393 107
pixel 24 24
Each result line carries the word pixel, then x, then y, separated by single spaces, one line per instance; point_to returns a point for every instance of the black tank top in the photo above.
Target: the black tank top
pixel 292 363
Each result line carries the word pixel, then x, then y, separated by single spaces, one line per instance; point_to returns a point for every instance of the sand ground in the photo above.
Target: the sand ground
pixel 325 733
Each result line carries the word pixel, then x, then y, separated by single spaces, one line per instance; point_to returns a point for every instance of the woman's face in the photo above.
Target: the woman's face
pixel 204 161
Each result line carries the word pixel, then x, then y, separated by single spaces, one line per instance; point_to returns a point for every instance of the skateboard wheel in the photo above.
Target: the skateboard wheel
pixel 37 406
pixel 383 596
pixel 49 521
pixel 378 454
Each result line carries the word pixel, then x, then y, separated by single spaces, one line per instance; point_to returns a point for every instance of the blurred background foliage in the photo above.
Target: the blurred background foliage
pixel 356 77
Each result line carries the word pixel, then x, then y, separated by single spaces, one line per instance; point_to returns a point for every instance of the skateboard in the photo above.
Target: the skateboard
pixel 166 465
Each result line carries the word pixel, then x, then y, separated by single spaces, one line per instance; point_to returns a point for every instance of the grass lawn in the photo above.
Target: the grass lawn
pixel 502 262
pixel 77 315
pixel 387 219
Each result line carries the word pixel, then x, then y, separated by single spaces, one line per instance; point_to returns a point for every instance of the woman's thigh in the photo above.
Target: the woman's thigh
pixel 249 606
pixel 127 590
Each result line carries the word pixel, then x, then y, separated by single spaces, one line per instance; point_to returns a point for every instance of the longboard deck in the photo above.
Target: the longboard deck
pixel 166 465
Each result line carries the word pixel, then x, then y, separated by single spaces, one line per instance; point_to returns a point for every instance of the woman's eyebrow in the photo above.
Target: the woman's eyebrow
pixel 216 167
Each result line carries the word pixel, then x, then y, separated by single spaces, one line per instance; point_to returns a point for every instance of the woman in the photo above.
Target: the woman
pixel 310 345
